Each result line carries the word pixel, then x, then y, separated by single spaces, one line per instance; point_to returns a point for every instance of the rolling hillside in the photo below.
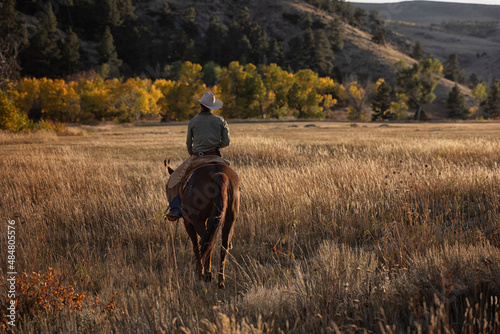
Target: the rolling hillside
pixel 150 39
pixel 423 21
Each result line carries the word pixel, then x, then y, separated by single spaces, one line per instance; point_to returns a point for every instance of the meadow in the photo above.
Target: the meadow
pixel 343 228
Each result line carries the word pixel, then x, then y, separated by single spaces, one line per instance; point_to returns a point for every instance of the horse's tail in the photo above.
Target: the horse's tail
pixel 218 215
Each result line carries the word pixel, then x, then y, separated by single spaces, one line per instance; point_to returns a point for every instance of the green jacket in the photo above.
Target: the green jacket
pixel 206 131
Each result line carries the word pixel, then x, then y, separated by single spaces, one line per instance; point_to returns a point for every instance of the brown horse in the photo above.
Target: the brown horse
pixel 210 202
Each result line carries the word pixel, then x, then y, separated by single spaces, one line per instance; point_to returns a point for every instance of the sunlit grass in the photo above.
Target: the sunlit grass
pixel 342 228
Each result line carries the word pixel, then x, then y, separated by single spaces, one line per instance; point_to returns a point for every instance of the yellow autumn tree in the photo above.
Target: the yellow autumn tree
pixel 11 118
pixel 95 99
pixel 24 94
pixel 357 98
pixel 136 99
pixel 165 87
pixel 59 101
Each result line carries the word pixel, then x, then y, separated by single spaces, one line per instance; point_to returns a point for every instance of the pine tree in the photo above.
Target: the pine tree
pixel 71 53
pixel 336 34
pixel 358 19
pixel 418 51
pixel 13 37
pixel 376 26
pixel 42 57
pixel 214 37
pixel 322 56
pixel 381 103
pixel 452 69
pixel 456 104
pixel 189 25
pixel 108 53
pixel 166 7
pixel 116 12
pixel 493 100
pixel 275 54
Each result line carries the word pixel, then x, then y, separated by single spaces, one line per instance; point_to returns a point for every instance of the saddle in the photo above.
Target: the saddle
pixel 184 171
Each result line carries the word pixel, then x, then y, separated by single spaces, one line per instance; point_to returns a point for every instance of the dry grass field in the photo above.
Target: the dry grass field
pixel 343 228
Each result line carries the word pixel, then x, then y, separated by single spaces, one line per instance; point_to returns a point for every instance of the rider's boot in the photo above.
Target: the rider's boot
pixel 174 209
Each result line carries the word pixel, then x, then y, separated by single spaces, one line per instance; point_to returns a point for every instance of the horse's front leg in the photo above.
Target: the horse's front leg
pixel 196 247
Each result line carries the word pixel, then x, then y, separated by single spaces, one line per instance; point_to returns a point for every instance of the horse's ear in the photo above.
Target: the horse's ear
pixel 167 164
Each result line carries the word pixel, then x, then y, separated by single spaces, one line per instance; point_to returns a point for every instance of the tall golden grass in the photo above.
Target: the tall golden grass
pixel 343 228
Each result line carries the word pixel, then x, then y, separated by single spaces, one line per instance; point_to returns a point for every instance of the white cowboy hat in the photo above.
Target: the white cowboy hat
pixel 210 101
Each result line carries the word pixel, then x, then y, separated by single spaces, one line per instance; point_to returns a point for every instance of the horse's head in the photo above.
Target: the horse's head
pixel 167 165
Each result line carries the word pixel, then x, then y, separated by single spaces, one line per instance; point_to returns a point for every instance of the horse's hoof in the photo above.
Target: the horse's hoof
pixel 208 277
pixel 221 285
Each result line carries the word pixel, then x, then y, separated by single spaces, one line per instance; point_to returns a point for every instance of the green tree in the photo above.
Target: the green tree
pixel 381 104
pixel 456 104
pixel 418 82
pixel 211 73
pixel 303 95
pixel 278 83
pixel 452 69
pixel 241 89
pixel 480 94
pixel 493 100
pixel 70 53
pixel 108 53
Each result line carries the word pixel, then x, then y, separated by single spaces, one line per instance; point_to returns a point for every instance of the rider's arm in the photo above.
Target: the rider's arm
pixel 225 141
pixel 189 139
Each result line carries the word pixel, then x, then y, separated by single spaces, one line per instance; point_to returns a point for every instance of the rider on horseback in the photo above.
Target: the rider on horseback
pixel 207 133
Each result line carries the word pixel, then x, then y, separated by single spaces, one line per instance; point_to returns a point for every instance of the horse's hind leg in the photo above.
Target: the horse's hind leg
pixel 227 234
pixel 208 268
pixel 196 248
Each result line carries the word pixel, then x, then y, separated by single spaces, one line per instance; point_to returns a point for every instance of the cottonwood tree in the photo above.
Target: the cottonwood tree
pixel 479 93
pixel 241 89
pixel 278 83
pixel 418 82
pixel 357 99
